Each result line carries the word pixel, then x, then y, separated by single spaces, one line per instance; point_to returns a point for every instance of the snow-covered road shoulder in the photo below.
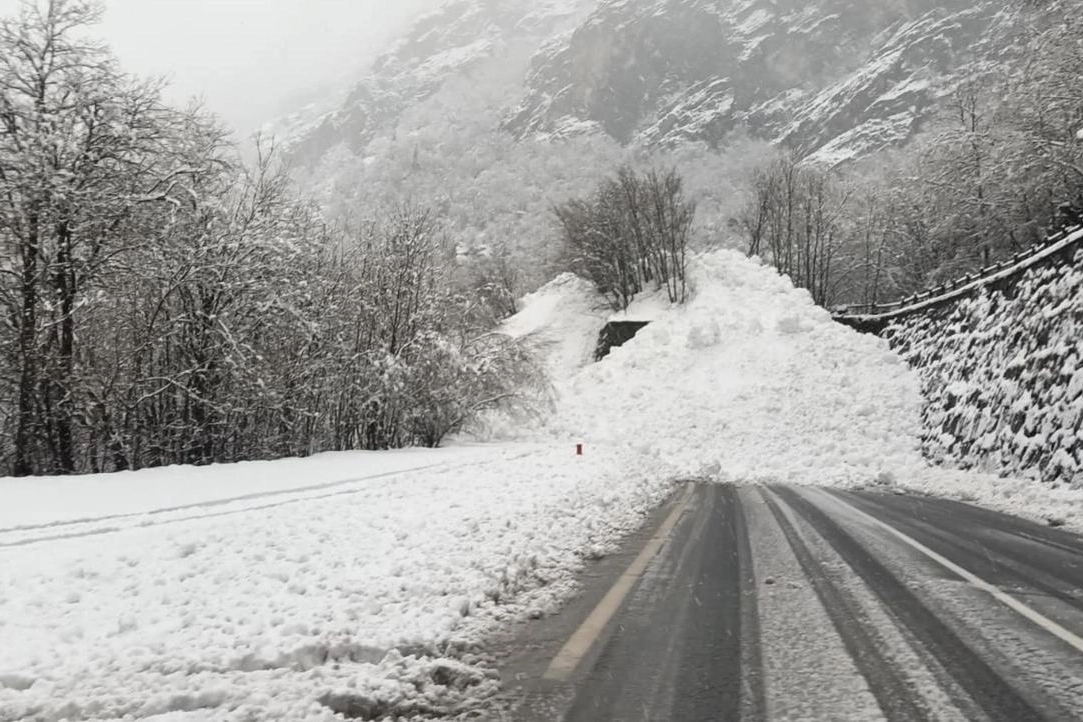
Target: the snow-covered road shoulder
pixel 353 598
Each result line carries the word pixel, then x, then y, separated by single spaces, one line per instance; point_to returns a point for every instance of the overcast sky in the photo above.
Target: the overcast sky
pixel 244 57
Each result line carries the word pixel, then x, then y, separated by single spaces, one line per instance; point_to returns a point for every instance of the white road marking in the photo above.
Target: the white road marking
pixel 571 654
pixel 1007 600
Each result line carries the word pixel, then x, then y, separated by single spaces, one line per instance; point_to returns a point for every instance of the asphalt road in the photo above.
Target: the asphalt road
pixel 774 603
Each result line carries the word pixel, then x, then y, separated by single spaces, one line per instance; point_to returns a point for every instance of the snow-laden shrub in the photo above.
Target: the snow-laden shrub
pixel 452 383
pixel 423 361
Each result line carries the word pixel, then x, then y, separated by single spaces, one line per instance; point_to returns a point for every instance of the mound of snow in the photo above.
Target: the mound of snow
pixel 750 381
pixel 564 316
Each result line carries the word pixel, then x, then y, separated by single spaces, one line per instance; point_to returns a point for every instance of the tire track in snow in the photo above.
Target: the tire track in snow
pixel 144 519
pixel 211 502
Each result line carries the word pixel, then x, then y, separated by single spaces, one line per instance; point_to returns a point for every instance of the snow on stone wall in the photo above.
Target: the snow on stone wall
pixel 1002 376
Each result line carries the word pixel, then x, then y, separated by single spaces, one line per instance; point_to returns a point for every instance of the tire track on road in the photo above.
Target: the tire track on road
pixel 897 698
pixel 726 579
pixel 1000 701
pixel 1056 571
pixel 687 638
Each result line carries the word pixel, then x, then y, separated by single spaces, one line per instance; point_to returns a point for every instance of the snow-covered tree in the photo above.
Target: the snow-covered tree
pixel 164 303
pixel 84 149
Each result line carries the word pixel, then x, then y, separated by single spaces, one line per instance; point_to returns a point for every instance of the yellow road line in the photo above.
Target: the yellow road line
pixel 571 654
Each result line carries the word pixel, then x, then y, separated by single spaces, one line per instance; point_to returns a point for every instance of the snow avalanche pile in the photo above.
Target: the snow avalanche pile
pixel 564 319
pixel 750 381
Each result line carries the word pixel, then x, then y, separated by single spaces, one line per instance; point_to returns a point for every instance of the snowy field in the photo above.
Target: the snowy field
pixel 368 581
pixel 256 613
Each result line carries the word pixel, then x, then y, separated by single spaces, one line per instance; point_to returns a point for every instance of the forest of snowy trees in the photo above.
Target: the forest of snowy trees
pixel 163 302
pixel 988 177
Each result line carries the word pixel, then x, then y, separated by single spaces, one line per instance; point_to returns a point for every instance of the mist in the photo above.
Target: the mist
pixel 250 60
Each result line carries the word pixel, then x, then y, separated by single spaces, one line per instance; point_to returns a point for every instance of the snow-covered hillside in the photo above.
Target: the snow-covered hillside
pixel 454 41
pixel 834 77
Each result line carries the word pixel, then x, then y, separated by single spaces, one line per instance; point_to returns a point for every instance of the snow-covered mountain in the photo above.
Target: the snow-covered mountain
pixel 837 78
pixel 454 41
pixel 846 76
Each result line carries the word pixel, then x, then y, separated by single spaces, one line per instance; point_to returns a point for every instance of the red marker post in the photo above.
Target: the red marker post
pixel 578 449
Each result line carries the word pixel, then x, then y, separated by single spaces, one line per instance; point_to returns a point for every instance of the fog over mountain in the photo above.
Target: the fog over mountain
pixel 250 59
pixel 836 77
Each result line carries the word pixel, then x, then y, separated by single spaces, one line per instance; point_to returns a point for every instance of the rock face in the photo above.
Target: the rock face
pixel 838 77
pixel 1002 376
pixel 834 78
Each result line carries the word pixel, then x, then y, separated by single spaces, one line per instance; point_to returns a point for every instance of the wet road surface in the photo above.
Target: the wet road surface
pixel 779 603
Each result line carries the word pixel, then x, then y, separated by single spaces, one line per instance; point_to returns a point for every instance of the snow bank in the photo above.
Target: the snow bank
pixel 36 501
pixel 367 594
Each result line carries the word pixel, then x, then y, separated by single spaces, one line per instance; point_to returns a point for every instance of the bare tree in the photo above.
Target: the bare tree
pixel 795 217
pixel 632 232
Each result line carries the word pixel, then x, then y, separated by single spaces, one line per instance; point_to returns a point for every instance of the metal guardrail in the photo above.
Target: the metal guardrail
pixel 874 313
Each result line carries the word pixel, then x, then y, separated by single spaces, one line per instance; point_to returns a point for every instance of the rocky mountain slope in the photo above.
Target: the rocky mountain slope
pixel 835 78
pixel 843 77
pixel 456 40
